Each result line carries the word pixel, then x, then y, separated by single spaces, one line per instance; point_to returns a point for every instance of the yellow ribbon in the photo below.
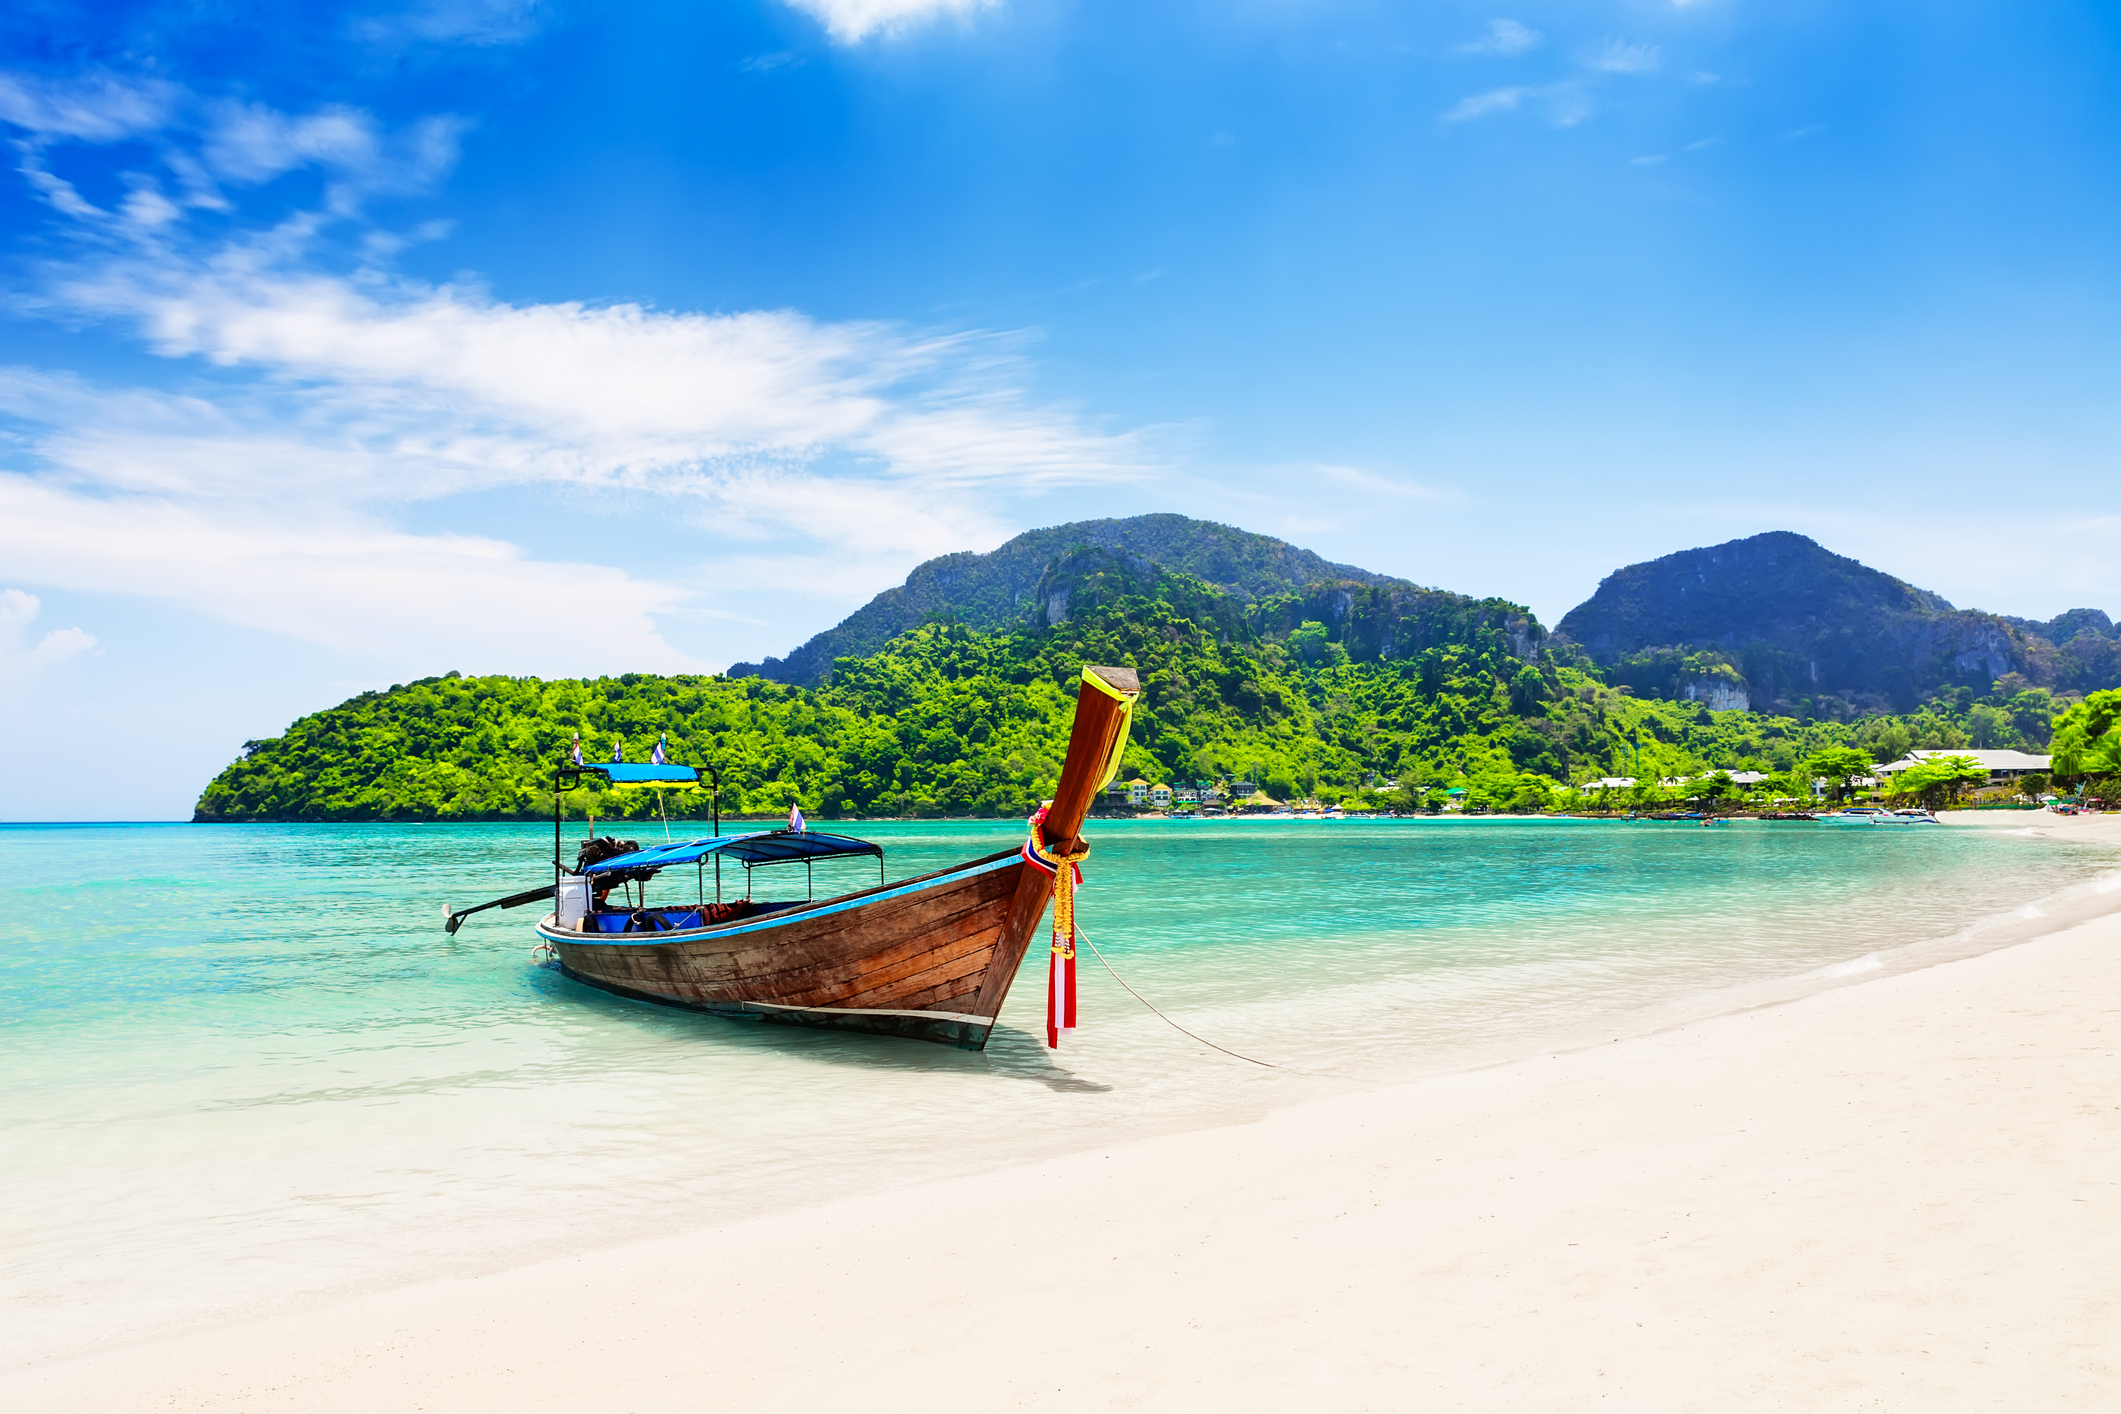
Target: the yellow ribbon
pixel 1063 890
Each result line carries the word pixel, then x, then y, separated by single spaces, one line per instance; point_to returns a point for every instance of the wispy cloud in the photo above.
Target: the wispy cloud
pixel 326 401
pixel 209 145
pixel 92 108
pixel 1480 105
pixel 1619 57
pixel 851 21
pixel 1382 484
pixel 767 63
pixel 249 143
pixel 1503 37
pixel 1564 104
pixel 18 655
pixel 474 22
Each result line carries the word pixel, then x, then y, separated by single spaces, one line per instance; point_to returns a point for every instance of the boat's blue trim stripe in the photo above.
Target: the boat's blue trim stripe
pixel 777 920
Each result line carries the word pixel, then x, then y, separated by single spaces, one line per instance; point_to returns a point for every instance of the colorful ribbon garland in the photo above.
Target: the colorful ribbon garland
pixel 1060 971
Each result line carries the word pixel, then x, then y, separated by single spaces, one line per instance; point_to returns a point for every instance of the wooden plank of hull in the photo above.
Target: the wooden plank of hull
pixel 871 967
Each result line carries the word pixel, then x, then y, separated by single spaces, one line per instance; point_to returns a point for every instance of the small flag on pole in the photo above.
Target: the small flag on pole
pixel 795 818
pixel 577 748
pixel 658 757
pixel 618 752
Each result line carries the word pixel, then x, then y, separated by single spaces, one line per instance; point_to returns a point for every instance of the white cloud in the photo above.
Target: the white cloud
pixel 339 579
pixel 851 21
pixel 475 390
pixel 97 108
pixel 1565 103
pixel 322 408
pixel 767 63
pixel 1495 100
pixel 249 144
pixel 18 656
pixel 242 143
pixel 1618 57
pixel 253 143
pixel 1379 484
pixel 1504 37
pixel 326 405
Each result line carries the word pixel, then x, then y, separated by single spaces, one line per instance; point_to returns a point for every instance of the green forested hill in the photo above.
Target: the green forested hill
pixel 1327 691
pixel 1779 622
pixel 1006 588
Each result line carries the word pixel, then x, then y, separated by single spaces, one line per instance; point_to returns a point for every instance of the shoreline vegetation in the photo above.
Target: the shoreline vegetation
pixel 1898 1188
pixel 1405 705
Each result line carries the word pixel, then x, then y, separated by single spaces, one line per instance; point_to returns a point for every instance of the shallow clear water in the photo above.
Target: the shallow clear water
pixel 247 1067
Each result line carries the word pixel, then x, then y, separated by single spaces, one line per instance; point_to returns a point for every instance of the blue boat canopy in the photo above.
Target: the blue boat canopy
pixel 769 847
pixel 626 773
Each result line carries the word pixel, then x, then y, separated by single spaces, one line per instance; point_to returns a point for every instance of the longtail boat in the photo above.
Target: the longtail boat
pixel 929 957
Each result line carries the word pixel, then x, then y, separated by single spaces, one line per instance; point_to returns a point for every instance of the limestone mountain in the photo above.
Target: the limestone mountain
pixel 1034 580
pixel 1779 622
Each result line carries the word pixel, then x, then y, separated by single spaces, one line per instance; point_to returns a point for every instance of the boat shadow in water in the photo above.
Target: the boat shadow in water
pixel 1012 1055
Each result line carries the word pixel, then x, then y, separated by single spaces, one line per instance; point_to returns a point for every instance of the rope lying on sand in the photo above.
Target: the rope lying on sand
pixel 1160 1016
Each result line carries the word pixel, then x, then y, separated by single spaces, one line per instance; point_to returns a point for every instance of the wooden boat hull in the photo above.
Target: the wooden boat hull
pixel 917 958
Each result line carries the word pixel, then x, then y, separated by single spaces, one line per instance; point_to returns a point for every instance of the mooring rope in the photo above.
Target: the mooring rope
pixel 1080 933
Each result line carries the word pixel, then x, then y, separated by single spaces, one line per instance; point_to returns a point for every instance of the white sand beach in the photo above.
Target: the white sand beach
pixel 1903 1194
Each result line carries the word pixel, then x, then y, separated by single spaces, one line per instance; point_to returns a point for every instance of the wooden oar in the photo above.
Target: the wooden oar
pixel 452 918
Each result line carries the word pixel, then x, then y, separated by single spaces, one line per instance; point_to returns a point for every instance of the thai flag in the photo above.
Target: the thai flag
pixel 618 752
pixel 657 757
pixel 577 748
pixel 795 819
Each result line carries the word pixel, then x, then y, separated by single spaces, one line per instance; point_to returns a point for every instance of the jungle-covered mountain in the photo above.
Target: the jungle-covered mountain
pixel 1344 688
pixel 1004 588
pixel 1779 622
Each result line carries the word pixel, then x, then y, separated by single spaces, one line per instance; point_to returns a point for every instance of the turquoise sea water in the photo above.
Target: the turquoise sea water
pixel 246 1066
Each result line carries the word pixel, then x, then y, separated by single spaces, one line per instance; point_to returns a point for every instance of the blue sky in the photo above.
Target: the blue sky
pixel 358 343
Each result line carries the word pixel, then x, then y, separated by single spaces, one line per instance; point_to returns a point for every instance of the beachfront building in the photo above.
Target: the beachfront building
pixel 1160 796
pixel 1185 795
pixel 1609 783
pixel 1137 791
pixel 2001 765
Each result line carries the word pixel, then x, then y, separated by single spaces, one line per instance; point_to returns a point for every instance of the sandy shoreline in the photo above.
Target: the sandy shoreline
pixel 1902 1194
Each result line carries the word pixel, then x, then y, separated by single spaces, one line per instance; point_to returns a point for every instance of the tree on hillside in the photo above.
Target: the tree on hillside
pixel 1989 727
pixel 2087 742
pixel 1838 766
pixel 1940 780
pixel 1715 788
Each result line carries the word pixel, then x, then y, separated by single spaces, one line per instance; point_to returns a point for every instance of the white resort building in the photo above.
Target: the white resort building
pixel 2000 765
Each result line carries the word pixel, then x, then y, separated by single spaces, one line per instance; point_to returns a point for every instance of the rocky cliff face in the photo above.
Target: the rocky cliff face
pixel 1796 622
